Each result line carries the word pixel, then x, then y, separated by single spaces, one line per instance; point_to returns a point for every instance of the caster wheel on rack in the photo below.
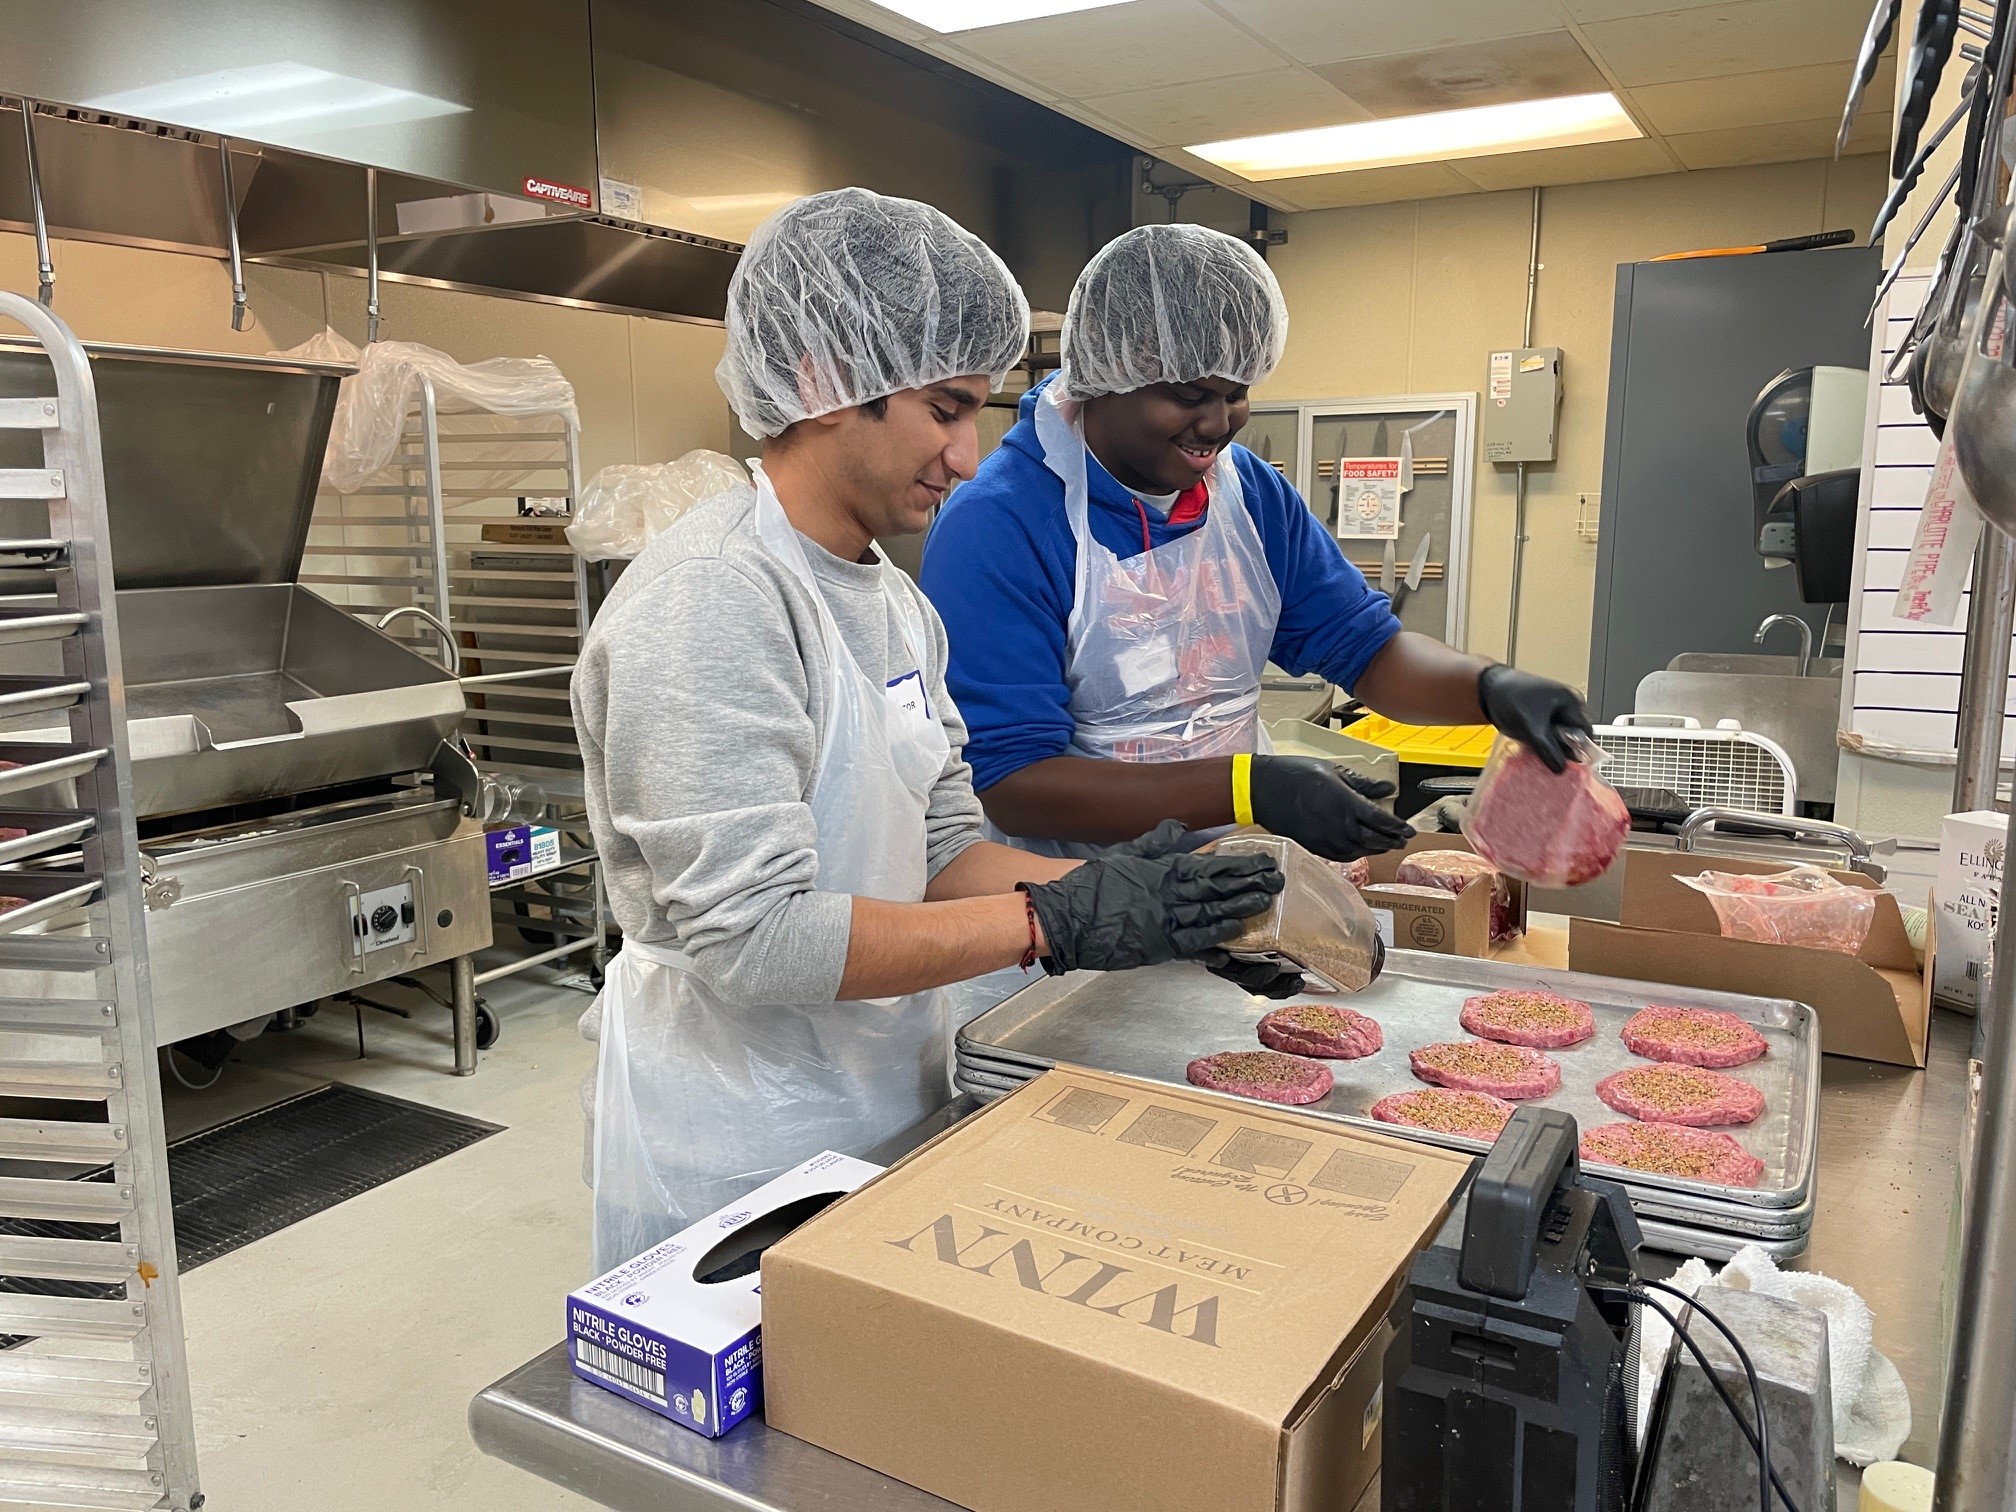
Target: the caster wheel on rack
pixel 596 976
pixel 488 1026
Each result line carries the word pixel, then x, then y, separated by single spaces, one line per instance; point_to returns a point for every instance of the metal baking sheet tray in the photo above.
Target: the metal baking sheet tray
pixel 1715 1246
pixel 44 895
pixel 1151 1023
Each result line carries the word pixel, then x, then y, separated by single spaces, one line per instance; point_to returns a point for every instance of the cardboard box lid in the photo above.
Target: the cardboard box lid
pixel 1221 1249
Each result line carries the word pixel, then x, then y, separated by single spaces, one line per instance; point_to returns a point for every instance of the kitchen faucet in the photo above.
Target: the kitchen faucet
pixel 1805 637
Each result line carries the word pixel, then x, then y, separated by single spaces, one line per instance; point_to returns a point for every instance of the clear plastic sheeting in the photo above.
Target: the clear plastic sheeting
pixel 1800 906
pixel 626 506
pixel 846 297
pixel 372 406
pixel 1171 304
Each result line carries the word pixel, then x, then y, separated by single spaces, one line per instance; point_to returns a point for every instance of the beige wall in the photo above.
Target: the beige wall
pixel 645 387
pixel 1409 298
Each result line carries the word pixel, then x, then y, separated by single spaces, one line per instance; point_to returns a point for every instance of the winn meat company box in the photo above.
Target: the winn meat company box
pixel 677 1329
pixel 1108 1295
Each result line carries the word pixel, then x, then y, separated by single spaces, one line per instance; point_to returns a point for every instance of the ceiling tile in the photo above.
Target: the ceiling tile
pixel 1538 67
pixel 1783 142
pixel 1612 10
pixel 880 18
pixel 1286 99
pixel 1582 164
pixel 1326 31
pixel 1121 47
pixel 1753 99
pixel 1371 186
pixel 1727 39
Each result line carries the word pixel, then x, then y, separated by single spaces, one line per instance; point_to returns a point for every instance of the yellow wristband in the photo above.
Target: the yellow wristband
pixel 1242 789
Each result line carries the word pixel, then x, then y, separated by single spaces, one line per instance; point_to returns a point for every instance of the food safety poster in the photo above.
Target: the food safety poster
pixel 1368 498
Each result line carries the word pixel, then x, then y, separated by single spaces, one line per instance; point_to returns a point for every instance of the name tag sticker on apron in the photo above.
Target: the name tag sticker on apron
pixel 1146 666
pixel 906 695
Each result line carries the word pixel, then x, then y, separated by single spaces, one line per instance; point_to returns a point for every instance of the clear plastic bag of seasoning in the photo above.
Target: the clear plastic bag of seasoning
pixel 1551 829
pixel 1802 905
pixel 1317 925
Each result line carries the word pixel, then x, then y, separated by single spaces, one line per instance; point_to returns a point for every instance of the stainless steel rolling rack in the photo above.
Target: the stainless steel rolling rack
pixel 89 1426
pixel 423 545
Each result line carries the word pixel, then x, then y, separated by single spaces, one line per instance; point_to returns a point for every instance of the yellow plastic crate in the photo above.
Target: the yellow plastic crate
pixel 1427 745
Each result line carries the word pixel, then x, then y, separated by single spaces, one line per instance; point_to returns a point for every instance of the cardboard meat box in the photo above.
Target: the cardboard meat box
pixel 1441 923
pixel 1107 1295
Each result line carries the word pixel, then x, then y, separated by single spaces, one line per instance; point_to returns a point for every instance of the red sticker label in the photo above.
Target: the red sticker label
pixel 559 194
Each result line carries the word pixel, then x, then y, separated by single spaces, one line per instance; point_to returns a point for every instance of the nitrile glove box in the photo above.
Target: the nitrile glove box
pixel 677 1329
pixel 521 850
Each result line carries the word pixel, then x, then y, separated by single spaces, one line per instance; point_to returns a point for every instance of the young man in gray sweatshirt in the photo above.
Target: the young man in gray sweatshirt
pixel 773 766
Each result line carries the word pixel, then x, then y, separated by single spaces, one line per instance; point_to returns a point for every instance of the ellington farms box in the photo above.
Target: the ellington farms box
pixel 1971 850
pixel 677 1329
pixel 1108 1295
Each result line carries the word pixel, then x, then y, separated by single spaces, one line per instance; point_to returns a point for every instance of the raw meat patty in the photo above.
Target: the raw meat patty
pixel 1555 829
pixel 1670 1150
pixel 1544 1020
pixel 1457 871
pixel 1265 1074
pixel 12 832
pixel 1692 1037
pixel 9 904
pixel 1475 1115
pixel 1681 1095
pixel 1322 1030
pixel 1358 873
pixel 1509 1071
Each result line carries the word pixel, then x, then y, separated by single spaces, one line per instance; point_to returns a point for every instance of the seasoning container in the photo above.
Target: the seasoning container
pixel 1318 925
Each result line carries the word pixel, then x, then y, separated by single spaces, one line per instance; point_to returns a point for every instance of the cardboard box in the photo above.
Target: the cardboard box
pixel 520 850
pixel 1459 924
pixel 1969 889
pixel 1107 1295
pixel 1874 1006
pixel 660 1332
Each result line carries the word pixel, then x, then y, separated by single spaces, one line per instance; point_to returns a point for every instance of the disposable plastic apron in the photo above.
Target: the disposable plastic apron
pixel 700 1100
pixel 1166 648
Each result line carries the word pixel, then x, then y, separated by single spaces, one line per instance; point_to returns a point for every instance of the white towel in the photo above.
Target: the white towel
pixel 1872 1410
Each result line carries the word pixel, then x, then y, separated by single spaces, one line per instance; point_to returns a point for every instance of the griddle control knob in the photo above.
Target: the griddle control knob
pixel 384 918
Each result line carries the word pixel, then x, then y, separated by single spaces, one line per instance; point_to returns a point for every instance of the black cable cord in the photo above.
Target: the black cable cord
pixel 1750 1374
pixel 1714 1377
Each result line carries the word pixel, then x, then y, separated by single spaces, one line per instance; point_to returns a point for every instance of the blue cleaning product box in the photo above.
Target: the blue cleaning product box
pixel 521 850
pixel 678 1329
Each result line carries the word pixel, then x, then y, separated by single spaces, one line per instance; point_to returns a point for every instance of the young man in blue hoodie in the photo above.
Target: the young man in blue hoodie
pixel 1115 577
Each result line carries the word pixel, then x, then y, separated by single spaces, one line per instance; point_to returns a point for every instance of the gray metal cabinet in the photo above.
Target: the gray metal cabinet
pixel 1692 344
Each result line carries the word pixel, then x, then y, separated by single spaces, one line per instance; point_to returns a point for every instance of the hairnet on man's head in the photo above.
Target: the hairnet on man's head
pixel 1171 304
pixel 844 297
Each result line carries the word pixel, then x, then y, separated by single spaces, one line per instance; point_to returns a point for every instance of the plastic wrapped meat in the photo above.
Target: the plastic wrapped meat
pixel 1551 829
pixel 1800 906
pixel 1358 873
pixel 1455 871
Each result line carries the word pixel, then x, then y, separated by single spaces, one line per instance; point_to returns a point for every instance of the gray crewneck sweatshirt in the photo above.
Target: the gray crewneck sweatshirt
pixel 701 701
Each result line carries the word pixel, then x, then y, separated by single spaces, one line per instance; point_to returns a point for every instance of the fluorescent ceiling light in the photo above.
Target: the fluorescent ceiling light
pixel 971 15
pixel 1480 131
pixel 294 100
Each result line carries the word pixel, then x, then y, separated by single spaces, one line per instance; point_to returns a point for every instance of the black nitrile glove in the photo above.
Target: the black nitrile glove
pixel 1124 910
pixel 1535 711
pixel 1324 809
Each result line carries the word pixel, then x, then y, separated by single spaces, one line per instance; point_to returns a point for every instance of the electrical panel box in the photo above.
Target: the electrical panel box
pixel 1522 405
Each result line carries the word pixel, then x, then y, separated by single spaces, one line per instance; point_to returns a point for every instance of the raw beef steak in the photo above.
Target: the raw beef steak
pixel 1358 873
pixel 1457 871
pixel 1671 1150
pixel 1319 1029
pixel 1510 1071
pixel 1692 1037
pixel 1265 1074
pixel 1681 1095
pixel 1474 1115
pixel 1554 829
pixel 1544 1020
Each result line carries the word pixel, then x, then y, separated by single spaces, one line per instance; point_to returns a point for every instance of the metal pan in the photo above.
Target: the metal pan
pixel 44 895
pixel 41 763
pixel 1715 1246
pixel 47 829
pixel 1151 1023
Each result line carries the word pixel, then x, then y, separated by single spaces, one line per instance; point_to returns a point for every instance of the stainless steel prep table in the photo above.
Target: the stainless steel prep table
pixel 1888 1142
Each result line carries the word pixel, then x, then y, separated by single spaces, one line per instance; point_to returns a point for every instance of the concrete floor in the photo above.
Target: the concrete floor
pixel 333 1362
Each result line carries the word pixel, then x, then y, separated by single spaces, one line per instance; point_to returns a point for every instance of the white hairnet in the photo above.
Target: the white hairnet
pixel 843 297
pixel 1171 304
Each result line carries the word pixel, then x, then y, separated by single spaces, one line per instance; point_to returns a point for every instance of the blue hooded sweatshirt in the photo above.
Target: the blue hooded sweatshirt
pixel 1001 568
